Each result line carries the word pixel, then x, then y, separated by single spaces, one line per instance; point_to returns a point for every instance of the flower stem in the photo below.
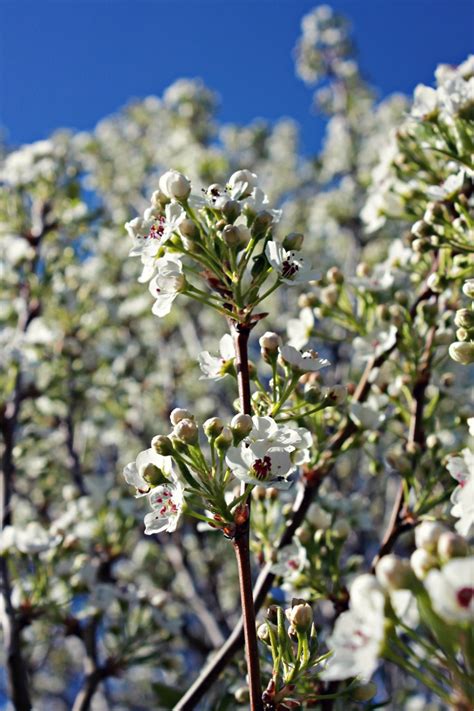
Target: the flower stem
pixel 240 333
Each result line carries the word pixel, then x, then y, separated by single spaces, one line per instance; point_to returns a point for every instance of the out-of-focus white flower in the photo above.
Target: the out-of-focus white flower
pixel 151 232
pixel 358 633
pixel 167 504
pixel 167 284
pixel 376 343
pixel 259 202
pixel 461 468
pixel 425 102
pixel 290 561
pixel 379 279
pixel 216 367
pixel 144 470
pixel 306 361
pixel 299 329
pixel 290 268
pixel 451 590
pixel 448 189
pixel 31 539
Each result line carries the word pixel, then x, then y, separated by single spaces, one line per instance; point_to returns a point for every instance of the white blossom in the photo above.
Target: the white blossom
pixel 358 633
pixel 290 268
pixel 299 329
pixel 451 590
pixel 142 471
pixel 167 284
pixel 260 464
pixel 461 468
pixel 215 367
pixel 307 361
pixel 166 502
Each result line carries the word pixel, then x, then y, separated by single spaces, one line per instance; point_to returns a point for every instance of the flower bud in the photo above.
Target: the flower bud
pixel 468 288
pixel 341 528
pixel 242 695
pixel 188 228
pixel 269 344
pixel 365 692
pixel 186 431
pixel 420 229
pixel 174 185
pixel 421 245
pixel 162 445
pixel 231 209
pixel 231 235
pixel 213 427
pixel 179 414
pixel 153 475
pixel 293 241
pixel 224 439
pixel 335 276
pixel 462 352
pixel 261 223
pixel 462 334
pixel 318 517
pixel 263 634
pixel 464 318
pixel 394 573
pixel 451 545
pixel 427 535
pixel 329 295
pixel 363 270
pixel 300 615
pixel 303 534
pixel 158 199
pixel 422 562
pixel 241 426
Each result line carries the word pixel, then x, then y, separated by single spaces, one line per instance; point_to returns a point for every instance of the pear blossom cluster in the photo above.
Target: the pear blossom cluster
pixel 223 230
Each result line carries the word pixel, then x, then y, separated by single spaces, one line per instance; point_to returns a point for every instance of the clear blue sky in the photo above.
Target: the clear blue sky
pixel 69 63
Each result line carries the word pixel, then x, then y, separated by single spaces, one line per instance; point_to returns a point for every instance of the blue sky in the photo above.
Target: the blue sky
pixel 69 63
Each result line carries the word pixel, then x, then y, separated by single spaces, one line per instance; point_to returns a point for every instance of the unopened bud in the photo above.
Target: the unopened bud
pixel 269 344
pixel 261 223
pixel 468 288
pixel 242 695
pixel 462 334
pixel 179 414
pixel 464 318
pixel 312 393
pixel 158 199
pixel 224 439
pixel 188 228
pixel 174 185
pixel 186 431
pixel 462 352
pixel 241 426
pixel 231 209
pixel 363 270
pixel 335 276
pixel 263 633
pixel 420 229
pixel 153 475
pixel 300 615
pixel 365 692
pixel 341 528
pixel 162 445
pixel 319 517
pixel 394 573
pixel 422 562
pixel 230 235
pixel 329 295
pixel 427 535
pixel 451 545
pixel 293 241
pixel 213 427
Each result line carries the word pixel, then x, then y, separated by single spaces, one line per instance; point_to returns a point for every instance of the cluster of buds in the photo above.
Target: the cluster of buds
pixel 291 639
pixel 224 234
pixel 462 350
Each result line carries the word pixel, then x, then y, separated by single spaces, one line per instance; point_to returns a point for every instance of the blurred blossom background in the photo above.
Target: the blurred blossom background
pixel 97 100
